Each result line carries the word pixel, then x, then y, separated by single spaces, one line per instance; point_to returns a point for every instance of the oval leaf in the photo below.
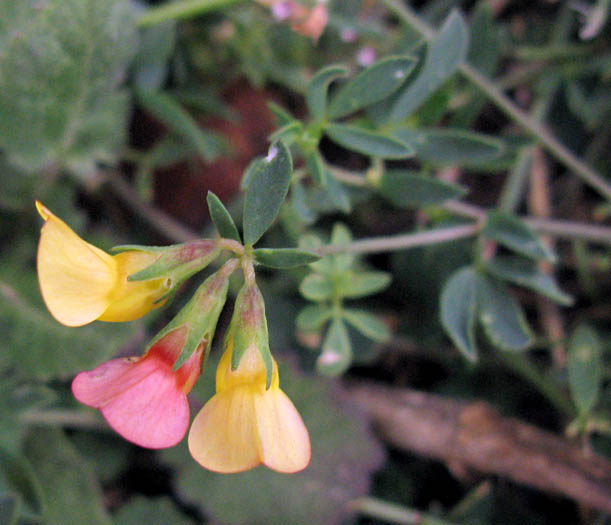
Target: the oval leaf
pixel 407 190
pixel 266 191
pixel 373 84
pixel 312 317
pixel 316 167
pixel 459 310
pixel 451 146
pixel 585 368
pixel 444 54
pixel 354 285
pixel 222 218
pixel 525 272
pixel 284 257
pixel 316 287
pixel 502 317
pixel 368 142
pixel 336 354
pixel 316 94
pixel 514 234
pixel 368 324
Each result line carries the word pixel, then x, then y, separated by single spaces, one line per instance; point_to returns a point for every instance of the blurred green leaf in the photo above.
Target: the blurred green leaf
pixel 339 472
pixel 282 115
pixel 459 310
pixel 18 477
pixel 316 94
pixel 284 257
pixel 368 142
pixel 316 167
pixel 288 133
pixel 336 355
pixel 405 189
pixel 160 511
pixel 514 234
pixel 375 83
pixel 485 42
pixel 71 492
pixel 61 64
pixel 10 506
pixel 368 324
pixel 267 189
pixel 337 193
pixel 525 272
pixel 299 200
pixel 312 317
pixel 585 367
pixel 172 114
pixel 341 236
pixel 316 287
pixel 354 285
pixel 39 347
pixel 156 47
pixel 253 166
pixel 222 218
pixel 450 146
pixel 502 317
pixel 444 54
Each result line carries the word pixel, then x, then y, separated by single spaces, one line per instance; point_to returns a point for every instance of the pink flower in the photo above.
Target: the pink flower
pixel 143 398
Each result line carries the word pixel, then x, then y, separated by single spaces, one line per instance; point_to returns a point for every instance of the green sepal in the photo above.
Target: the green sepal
pixel 222 218
pixel 248 326
pixel 179 261
pixel 284 257
pixel 200 315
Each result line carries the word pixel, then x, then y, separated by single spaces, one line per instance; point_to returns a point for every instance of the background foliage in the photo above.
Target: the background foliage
pixel 451 163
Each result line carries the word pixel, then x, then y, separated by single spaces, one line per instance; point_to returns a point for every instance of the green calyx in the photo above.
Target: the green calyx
pixel 200 315
pixel 249 327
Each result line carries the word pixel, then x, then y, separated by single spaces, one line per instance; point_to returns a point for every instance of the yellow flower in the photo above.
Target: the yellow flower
pixel 81 283
pixel 245 424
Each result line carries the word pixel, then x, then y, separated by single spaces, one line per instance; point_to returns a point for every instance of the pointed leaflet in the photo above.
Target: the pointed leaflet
pixel 316 167
pixel 336 354
pixel 450 146
pixel 524 272
pixel 171 113
pixel 284 257
pixel 585 367
pixel 368 324
pixel 408 190
pixel 371 85
pixel 459 310
pixel 502 317
pixel 444 54
pixel 316 287
pixel 312 317
pixel 514 234
pixel 267 189
pixel 222 218
pixel 354 285
pixel 316 94
pixel 368 142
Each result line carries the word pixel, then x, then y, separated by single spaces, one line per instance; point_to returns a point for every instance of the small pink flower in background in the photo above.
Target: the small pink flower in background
pixel 348 35
pixel 143 398
pixel 366 56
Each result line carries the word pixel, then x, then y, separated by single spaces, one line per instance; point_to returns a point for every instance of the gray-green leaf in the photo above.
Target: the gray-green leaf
pixel 316 94
pixel 368 324
pixel 312 317
pixel 502 317
pixel 336 355
pixel 451 146
pixel 316 287
pixel 373 84
pixel 444 54
pixel 368 142
pixel 222 218
pixel 405 189
pixel 514 234
pixel 525 272
pixel 284 257
pixel 354 285
pixel 585 367
pixel 459 310
pixel 267 189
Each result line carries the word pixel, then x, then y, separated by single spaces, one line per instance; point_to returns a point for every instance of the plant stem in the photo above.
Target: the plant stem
pixel 551 144
pixel 402 242
pixel 178 10
pixel 393 513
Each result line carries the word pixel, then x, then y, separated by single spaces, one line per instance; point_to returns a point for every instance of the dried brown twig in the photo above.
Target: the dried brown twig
pixel 476 436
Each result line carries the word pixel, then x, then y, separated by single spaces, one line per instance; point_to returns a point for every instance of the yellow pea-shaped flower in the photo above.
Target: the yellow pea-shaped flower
pixel 81 283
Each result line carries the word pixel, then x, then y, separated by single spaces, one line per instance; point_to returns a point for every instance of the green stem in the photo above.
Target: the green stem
pixel 553 145
pixel 393 513
pixel 179 10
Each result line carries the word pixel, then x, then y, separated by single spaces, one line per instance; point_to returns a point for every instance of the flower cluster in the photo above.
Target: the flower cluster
pixel 249 421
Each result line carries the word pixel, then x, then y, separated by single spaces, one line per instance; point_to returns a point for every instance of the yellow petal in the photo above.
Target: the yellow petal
pixel 284 439
pixel 133 299
pixel 76 279
pixel 223 437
